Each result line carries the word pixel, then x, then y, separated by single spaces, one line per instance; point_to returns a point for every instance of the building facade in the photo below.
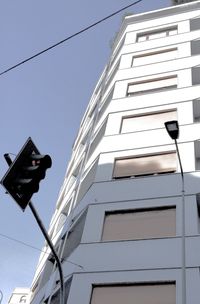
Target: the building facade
pixel 176 2
pixel 126 225
pixel 20 296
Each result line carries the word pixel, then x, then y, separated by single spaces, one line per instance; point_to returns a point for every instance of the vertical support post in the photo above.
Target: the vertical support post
pixel 35 214
pixel 183 229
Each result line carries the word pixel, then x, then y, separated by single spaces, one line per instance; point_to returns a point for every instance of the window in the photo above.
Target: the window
pixel 195 47
pixel 74 236
pixel 145 165
pixel 22 299
pixel 152 85
pixel 139 224
pixel 157 34
pixel 112 75
pixel 117 50
pixel 146 121
pixel 97 137
pixel 197 154
pixel 73 177
pixel 195 75
pixel 35 286
pixel 87 181
pixel 56 296
pixel 153 57
pixel 162 293
pixel 106 103
pixel 47 271
pixel 60 223
pixel 195 24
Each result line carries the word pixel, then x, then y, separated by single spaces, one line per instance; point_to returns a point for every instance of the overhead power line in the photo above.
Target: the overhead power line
pixel 69 37
pixel 33 247
pixel 20 242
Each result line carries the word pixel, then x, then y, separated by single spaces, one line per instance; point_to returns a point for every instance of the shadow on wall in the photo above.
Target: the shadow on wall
pixel 161 183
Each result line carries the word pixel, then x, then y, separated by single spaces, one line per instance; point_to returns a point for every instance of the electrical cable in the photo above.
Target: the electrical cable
pixel 20 242
pixel 33 247
pixel 69 37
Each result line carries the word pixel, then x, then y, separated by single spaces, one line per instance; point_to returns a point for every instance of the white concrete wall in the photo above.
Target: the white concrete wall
pixel 20 295
pixel 85 281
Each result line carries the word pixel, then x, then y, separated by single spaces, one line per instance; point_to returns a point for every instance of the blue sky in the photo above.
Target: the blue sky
pixel 45 99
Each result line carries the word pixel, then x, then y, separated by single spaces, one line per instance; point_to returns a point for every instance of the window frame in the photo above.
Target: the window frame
pixel 157 31
pixel 23 299
pixel 134 284
pixel 145 114
pixel 142 156
pixel 138 210
pixel 163 51
pixel 152 90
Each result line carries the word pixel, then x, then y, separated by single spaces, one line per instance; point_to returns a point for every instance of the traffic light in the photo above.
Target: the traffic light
pixel 25 173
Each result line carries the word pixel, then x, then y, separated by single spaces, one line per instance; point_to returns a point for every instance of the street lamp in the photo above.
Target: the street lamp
pixel 172 128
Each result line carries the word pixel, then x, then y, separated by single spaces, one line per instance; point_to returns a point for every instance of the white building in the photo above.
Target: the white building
pixel 118 223
pixel 20 296
pixel 175 2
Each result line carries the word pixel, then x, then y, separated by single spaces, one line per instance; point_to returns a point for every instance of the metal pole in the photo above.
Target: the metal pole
pixel 62 294
pixel 39 221
pixel 183 229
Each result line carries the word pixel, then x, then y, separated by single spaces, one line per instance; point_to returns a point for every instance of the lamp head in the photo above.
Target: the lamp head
pixel 172 128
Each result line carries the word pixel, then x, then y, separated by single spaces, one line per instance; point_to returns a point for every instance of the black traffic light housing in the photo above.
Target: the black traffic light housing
pixel 25 173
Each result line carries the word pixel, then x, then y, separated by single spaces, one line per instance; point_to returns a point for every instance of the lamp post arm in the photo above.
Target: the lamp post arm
pixel 179 159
